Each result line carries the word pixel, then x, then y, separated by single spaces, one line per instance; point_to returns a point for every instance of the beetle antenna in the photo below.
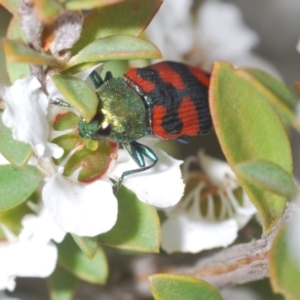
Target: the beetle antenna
pixel 96 79
pixel 108 76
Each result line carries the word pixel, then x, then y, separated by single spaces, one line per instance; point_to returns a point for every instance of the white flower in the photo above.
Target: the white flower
pixel 91 209
pixel 26 109
pixel 171 29
pixel 40 226
pixel 161 186
pixel 222 35
pixel 31 253
pixel 85 209
pixel 218 34
pixel 192 228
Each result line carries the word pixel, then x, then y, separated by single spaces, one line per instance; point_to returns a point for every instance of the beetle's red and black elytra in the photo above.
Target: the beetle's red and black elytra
pixel 168 100
pixel 179 96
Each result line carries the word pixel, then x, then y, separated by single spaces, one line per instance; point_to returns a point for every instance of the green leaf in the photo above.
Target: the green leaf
pixel 268 176
pixel 11 5
pixel 62 284
pixel 16 51
pixel 47 10
pixel 110 20
pixel 275 91
pixel 116 47
pixel 284 270
pixel 88 4
pixel 88 245
pixel 248 128
pixel 17 185
pixel 16 70
pixel 80 95
pixel 76 262
pixel 176 287
pixel 12 218
pixel 137 227
pixel 17 153
pixel 79 68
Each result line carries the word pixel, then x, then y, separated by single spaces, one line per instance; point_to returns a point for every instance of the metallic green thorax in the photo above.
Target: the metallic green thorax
pixel 122 109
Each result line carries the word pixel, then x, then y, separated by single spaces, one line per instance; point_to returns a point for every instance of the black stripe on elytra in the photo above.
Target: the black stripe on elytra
pixel 170 97
pixel 198 93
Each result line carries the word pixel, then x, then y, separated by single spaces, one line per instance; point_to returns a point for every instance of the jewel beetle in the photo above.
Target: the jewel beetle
pixel 168 100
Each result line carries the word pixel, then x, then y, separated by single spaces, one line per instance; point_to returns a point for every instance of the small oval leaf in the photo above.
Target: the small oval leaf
pixel 276 92
pixel 284 270
pixel 248 128
pixel 17 185
pixel 11 5
pixel 88 245
pixel 110 20
pixel 269 176
pixel 79 95
pixel 17 153
pixel 16 51
pixel 16 70
pixel 137 227
pixel 116 47
pixel 62 284
pixel 76 262
pixel 176 287
pixel 88 4
pixel 47 10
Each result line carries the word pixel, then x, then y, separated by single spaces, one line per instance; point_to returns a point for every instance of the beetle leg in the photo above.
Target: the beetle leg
pixel 60 102
pixel 137 151
pixel 96 79
pixel 182 140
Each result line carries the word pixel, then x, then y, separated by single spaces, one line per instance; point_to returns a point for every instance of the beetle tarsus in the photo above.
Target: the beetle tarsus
pixel 137 150
pixel 60 102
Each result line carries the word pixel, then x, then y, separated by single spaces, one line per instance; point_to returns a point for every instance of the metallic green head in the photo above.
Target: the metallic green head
pixel 122 114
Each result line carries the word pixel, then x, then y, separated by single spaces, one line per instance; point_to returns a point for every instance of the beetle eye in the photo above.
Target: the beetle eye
pixel 103 132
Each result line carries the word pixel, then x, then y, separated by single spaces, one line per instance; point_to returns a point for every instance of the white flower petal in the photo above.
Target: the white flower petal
pixel 25 113
pixel 41 228
pixel 218 171
pixel 185 234
pixel 3 160
pixel 25 259
pixel 161 185
pixel 228 36
pixel 170 25
pixel 244 212
pixel 82 209
pixel 188 229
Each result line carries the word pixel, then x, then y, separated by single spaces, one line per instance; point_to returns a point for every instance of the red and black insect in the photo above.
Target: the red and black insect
pixel 168 100
pixel 179 95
